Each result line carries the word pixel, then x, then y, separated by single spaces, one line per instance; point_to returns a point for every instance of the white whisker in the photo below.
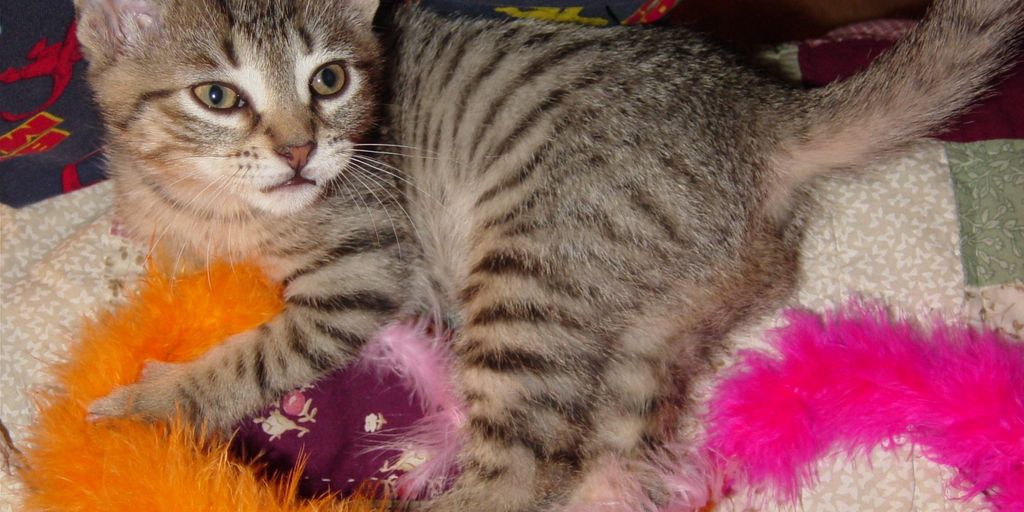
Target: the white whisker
pixel 386 213
pixel 412 223
pixel 380 166
pixel 351 190
pixel 392 153
pixel 381 145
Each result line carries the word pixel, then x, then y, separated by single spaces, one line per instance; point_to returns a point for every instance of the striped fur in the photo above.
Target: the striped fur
pixel 592 210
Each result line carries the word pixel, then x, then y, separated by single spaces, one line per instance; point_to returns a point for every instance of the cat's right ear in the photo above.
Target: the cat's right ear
pixel 110 28
pixel 363 9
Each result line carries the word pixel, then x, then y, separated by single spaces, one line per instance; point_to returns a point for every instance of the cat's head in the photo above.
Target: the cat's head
pixel 242 103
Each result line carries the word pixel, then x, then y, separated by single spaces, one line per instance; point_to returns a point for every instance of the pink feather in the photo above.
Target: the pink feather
pixel 613 486
pixel 618 484
pixel 425 364
pixel 856 379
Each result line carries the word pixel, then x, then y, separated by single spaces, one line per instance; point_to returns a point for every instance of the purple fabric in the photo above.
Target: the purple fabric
pixel 999 116
pixel 333 424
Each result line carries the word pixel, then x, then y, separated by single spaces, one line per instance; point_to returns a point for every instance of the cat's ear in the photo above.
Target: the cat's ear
pixel 364 10
pixel 109 28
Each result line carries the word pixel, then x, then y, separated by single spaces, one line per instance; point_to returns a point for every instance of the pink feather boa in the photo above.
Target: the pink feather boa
pixel 856 378
pixel 847 381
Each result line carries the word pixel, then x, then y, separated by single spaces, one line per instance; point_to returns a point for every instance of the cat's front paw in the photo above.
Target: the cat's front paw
pixel 154 397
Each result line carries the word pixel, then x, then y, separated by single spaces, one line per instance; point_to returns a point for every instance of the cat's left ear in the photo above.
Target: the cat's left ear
pixel 108 28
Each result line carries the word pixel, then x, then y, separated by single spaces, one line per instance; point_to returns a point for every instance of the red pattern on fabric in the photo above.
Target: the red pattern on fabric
pixel 56 61
pixel 651 11
pixel 69 179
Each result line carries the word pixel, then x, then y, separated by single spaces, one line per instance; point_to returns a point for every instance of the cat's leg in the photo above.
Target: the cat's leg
pixel 644 396
pixel 541 434
pixel 330 312
pixel 631 425
pixel 246 372
pixel 549 391
pixel 528 422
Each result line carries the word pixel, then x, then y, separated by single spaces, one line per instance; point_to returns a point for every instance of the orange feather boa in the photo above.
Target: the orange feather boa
pixel 127 465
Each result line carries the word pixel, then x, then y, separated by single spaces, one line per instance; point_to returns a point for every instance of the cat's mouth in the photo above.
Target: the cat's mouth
pixel 295 182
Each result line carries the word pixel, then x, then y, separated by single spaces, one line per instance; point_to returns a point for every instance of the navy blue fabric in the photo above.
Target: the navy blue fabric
pixel 40 60
pixel 612 11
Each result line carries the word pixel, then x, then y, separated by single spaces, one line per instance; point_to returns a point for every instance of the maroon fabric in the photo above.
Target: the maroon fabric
pixel 996 117
pixel 337 411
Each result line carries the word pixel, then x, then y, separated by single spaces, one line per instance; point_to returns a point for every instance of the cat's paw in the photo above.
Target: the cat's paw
pixel 153 397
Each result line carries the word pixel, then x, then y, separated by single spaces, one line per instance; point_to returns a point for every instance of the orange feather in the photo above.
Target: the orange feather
pixel 127 465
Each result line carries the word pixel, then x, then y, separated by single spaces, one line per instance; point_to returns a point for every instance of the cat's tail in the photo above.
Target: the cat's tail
pixel 937 70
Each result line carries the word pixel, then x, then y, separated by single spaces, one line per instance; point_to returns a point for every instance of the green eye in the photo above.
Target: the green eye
pixel 328 80
pixel 218 96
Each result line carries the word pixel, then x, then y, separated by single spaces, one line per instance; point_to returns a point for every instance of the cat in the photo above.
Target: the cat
pixel 592 211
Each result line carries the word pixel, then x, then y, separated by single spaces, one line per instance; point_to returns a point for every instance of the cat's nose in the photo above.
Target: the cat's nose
pixel 297 155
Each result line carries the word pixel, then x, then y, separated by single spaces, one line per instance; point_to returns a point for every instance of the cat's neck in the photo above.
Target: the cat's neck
pixel 190 222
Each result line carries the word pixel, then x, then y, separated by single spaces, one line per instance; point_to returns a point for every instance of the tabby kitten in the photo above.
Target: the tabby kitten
pixel 593 210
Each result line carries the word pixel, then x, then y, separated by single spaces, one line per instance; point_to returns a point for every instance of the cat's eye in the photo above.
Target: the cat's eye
pixel 328 80
pixel 218 96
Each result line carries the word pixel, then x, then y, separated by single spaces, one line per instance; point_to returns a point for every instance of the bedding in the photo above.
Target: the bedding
pixel 940 230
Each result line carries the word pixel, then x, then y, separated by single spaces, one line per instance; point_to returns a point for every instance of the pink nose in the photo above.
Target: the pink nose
pixel 297 156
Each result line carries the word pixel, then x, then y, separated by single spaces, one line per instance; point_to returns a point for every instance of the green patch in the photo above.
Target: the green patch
pixel 988 178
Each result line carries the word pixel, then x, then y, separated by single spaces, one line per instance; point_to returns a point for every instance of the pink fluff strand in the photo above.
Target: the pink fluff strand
pixel 619 484
pixel 425 365
pixel 857 378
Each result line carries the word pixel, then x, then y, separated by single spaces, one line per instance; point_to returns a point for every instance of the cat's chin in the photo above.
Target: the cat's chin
pixel 285 200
